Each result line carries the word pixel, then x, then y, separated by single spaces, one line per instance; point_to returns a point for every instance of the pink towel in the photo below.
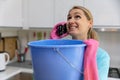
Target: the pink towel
pixel 90 63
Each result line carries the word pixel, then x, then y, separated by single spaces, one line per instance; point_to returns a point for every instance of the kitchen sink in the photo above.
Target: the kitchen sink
pixel 22 76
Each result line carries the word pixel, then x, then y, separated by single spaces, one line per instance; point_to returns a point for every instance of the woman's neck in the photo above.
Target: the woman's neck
pixel 79 37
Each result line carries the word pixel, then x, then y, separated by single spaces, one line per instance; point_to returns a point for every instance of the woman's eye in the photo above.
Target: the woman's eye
pixel 68 18
pixel 77 17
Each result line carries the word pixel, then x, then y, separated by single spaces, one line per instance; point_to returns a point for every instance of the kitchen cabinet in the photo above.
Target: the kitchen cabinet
pixel 105 12
pixel 10 13
pixel 46 13
pixel 43 14
pixel 62 7
pixel 38 13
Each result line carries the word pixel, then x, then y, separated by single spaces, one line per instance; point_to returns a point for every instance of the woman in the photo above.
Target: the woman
pixel 79 26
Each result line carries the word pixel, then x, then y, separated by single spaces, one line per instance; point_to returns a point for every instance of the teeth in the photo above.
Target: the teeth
pixel 72 27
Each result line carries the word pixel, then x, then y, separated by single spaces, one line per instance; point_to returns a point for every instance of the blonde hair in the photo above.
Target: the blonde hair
pixel 92 34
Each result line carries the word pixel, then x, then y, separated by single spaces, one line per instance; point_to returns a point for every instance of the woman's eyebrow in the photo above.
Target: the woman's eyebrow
pixel 74 14
pixel 77 13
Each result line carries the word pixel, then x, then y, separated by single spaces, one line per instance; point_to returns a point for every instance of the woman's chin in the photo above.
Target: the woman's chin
pixel 71 33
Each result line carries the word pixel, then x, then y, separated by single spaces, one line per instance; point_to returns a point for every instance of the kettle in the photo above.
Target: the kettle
pixel 4 60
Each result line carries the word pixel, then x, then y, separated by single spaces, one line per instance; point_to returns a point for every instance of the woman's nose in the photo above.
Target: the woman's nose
pixel 71 21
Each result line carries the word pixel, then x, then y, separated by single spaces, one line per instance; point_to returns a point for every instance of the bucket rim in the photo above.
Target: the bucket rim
pixel 82 44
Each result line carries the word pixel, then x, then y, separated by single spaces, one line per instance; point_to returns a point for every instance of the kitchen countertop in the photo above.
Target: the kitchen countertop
pixel 11 71
pixel 15 68
pixel 27 64
pixel 113 79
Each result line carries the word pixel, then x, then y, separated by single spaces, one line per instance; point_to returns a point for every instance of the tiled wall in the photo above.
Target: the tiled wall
pixel 26 36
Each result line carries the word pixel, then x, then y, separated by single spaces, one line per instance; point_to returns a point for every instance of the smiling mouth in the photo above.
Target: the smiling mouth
pixel 72 27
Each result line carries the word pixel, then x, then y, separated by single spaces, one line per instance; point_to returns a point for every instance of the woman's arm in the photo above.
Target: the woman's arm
pixel 103 62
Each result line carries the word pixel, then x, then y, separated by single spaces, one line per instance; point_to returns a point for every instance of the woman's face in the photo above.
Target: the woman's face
pixel 77 23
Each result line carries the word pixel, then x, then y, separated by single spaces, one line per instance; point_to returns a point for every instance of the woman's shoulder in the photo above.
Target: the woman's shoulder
pixel 101 53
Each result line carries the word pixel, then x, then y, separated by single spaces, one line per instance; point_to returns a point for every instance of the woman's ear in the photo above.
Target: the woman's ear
pixel 90 23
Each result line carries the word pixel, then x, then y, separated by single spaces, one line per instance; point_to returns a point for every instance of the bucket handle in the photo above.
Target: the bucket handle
pixel 73 66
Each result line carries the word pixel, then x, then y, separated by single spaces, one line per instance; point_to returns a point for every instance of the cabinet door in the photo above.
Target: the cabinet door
pixel 62 7
pixel 105 12
pixel 10 13
pixel 40 13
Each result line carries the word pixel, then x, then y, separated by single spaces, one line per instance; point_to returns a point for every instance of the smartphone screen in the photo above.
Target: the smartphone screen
pixel 61 29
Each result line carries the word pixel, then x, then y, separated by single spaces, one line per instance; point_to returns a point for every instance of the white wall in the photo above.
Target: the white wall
pixel 26 36
pixel 110 41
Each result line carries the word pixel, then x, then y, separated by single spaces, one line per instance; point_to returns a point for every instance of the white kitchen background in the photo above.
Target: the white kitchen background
pixel 31 20
pixel 22 15
pixel 109 40
pixel 26 36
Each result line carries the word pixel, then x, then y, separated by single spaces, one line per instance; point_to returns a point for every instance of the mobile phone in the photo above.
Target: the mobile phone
pixel 61 29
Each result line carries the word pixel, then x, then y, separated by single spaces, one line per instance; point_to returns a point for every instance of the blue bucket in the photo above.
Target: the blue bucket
pixel 57 59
